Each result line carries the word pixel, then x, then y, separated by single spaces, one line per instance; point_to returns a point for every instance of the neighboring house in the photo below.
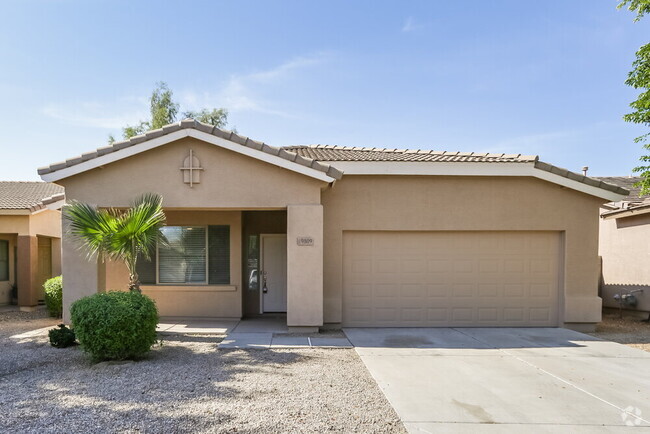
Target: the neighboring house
pixel 625 248
pixel 30 239
pixel 347 236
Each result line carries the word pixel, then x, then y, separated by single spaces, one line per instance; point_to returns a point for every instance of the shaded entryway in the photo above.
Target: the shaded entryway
pixel 263 230
pixel 26 262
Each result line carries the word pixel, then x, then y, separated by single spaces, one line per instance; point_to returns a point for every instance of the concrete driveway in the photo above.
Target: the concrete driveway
pixel 507 380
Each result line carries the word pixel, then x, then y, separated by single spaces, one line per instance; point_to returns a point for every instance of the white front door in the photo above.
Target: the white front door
pixel 273 282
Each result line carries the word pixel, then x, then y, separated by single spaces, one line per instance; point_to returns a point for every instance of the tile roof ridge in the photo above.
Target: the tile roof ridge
pixel 205 128
pixel 25 182
pixel 541 165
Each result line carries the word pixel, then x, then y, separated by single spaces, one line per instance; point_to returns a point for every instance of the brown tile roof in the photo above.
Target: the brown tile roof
pixel 332 153
pixel 28 195
pixel 192 124
pixel 634 203
pixel 313 155
pixel 626 208
pixel 627 182
pixel 348 153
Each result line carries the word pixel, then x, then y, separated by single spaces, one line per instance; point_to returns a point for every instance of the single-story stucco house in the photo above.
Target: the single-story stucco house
pixel 30 240
pixel 624 248
pixel 358 237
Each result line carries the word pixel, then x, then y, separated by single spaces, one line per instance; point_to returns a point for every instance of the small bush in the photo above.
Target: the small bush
pixel 62 337
pixel 54 296
pixel 115 325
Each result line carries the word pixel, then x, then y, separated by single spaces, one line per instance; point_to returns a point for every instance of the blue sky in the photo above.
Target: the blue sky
pixel 543 77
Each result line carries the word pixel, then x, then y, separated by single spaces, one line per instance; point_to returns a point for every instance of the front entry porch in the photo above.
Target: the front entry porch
pixel 260 324
pixel 233 264
pixel 203 271
pixel 262 332
pixel 26 262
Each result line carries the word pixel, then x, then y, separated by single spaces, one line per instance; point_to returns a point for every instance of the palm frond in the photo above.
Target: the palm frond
pixel 118 234
pixel 92 226
pixel 138 229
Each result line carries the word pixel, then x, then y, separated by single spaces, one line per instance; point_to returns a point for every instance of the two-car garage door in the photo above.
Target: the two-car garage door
pixel 447 279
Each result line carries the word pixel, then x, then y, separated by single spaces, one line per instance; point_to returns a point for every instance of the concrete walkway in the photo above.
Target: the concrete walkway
pixel 14 308
pixel 255 333
pixel 198 326
pixel 272 332
pixel 507 380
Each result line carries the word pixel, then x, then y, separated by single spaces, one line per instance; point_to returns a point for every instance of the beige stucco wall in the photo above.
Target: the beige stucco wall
pixel 625 252
pixel 80 273
pixel 305 266
pixel 45 223
pixel 204 301
pixel 14 224
pixel 418 203
pixel 56 257
pixel 112 276
pixel 230 182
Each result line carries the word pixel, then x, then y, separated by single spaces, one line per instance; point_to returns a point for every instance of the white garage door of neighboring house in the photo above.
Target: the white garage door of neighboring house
pixel 440 279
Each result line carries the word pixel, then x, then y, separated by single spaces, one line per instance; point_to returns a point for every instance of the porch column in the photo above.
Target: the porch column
pixel 56 257
pixel 27 267
pixel 304 267
pixel 80 275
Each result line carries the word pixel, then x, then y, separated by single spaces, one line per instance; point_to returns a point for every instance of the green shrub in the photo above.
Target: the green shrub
pixel 54 296
pixel 115 325
pixel 62 337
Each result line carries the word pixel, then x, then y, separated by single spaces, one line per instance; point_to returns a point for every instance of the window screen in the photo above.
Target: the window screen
pixel 146 269
pixel 183 260
pixel 219 254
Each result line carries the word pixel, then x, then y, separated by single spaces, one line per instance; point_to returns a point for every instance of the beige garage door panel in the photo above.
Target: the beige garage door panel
pixel 415 279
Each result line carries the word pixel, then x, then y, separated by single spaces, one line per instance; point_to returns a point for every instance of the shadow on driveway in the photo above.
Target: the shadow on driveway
pixel 469 338
pixel 506 379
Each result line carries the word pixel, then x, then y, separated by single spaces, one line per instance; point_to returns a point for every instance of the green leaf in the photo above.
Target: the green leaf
pixel 118 234
pixel 641 7
pixel 216 117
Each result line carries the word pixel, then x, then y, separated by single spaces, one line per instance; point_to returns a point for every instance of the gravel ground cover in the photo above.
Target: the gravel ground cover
pixel 14 322
pixel 185 385
pixel 631 330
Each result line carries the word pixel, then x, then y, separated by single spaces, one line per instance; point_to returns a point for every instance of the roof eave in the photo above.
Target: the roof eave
pixel 622 213
pixel 239 144
pixel 535 169
pixel 54 202
pixel 610 192
pixel 13 211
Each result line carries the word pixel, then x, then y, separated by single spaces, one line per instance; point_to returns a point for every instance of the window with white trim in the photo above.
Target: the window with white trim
pixel 192 255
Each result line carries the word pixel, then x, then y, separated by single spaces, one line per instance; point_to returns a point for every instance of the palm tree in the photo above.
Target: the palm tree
pixel 119 234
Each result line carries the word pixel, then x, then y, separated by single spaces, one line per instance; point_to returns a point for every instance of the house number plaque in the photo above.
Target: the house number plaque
pixel 305 241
